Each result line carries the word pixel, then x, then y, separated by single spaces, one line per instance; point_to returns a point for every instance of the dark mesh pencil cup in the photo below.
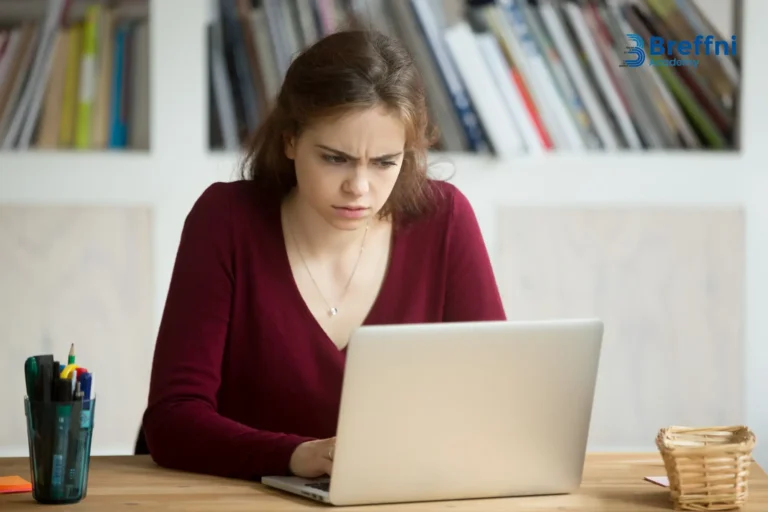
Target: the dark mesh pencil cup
pixel 59 436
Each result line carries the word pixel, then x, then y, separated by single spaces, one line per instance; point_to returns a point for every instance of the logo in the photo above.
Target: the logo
pixel 671 53
pixel 637 50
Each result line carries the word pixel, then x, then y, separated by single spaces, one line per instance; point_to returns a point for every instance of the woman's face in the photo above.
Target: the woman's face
pixel 346 167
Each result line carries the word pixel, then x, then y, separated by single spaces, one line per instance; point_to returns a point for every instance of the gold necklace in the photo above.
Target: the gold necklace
pixel 332 310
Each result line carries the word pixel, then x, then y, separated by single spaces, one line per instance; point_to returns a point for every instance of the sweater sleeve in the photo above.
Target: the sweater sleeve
pixel 181 424
pixel 472 293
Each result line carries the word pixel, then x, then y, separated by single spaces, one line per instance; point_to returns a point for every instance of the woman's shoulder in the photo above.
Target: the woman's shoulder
pixel 227 206
pixel 443 193
pixel 446 200
pixel 450 216
pixel 232 197
pixel 228 192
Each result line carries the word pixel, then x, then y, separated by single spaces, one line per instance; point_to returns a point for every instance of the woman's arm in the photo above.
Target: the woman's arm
pixel 472 293
pixel 181 424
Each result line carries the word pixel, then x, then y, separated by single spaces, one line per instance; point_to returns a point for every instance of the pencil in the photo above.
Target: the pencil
pixel 71 358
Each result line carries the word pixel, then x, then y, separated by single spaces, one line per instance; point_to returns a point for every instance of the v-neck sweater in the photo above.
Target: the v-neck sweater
pixel 242 371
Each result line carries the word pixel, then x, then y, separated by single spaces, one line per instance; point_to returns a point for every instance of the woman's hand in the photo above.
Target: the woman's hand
pixel 313 458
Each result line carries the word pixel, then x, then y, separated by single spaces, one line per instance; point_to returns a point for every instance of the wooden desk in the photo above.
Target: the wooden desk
pixel 612 483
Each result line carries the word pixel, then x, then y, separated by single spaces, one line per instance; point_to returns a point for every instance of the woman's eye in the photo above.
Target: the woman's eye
pixel 385 164
pixel 334 159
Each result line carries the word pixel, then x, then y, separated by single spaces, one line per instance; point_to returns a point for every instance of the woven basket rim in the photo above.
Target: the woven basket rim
pixel 709 428
pixel 743 439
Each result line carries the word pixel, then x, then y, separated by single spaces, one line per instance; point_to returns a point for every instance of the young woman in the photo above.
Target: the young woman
pixel 334 225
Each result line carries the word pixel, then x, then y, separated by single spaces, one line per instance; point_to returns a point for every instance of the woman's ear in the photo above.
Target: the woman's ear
pixel 289 143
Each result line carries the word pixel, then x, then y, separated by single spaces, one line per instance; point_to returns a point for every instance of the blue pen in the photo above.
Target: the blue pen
pixel 85 380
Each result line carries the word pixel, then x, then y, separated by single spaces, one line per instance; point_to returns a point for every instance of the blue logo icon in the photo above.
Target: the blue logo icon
pixel 637 50
pixel 671 52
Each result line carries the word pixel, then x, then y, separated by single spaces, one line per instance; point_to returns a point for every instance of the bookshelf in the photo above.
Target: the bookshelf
pixel 511 78
pixel 178 164
pixel 74 76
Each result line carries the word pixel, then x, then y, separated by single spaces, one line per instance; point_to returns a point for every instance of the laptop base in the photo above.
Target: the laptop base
pixel 312 488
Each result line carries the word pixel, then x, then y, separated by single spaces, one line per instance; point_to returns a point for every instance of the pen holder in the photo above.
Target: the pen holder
pixel 59 436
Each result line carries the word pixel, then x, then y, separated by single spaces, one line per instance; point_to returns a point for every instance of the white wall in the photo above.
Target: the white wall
pixel 720 13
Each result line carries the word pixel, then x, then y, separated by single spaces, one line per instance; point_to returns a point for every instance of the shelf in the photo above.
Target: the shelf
pixel 685 178
pixel 25 10
pixel 605 180
pixel 621 178
pixel 76 177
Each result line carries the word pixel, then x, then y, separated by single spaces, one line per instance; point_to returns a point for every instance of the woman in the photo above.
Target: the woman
pixel 334 225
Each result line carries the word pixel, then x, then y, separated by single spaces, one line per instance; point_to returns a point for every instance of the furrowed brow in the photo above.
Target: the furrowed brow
pixel 347 155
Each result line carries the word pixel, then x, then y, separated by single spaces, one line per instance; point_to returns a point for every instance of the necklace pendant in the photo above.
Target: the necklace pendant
pixel 333 311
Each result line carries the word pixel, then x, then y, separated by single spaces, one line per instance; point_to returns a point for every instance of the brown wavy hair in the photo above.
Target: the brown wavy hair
pixel 349 70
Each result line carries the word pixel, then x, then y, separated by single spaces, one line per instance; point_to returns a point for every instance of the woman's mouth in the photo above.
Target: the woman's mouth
pixel 351 212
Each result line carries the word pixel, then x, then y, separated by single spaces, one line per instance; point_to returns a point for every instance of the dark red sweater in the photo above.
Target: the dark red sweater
pixel 242 372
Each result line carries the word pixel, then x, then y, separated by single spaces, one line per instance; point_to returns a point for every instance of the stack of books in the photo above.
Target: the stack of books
pixel 508 77
pixel 75 79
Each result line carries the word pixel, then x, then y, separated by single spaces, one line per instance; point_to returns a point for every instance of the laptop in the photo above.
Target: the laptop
pixel 450 411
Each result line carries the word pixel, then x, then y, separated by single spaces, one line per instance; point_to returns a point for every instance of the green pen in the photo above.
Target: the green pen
pixel 30 374
pixel 30 377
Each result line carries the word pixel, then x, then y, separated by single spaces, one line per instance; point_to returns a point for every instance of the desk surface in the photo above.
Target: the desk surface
pixel 612 482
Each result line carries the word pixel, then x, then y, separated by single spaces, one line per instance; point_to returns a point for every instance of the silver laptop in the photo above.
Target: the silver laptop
pixel 450 411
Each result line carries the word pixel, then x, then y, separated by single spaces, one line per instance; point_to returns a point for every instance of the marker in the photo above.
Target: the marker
pixel 63 411
pixel 42 362
pixel 46 421
pixel 42 419
pixel 71 480
pixel 30 375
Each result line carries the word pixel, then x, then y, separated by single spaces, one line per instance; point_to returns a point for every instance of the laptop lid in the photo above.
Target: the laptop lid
pixel 465 410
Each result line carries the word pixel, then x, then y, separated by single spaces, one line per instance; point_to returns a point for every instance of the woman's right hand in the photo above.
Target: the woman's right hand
pixel 313 459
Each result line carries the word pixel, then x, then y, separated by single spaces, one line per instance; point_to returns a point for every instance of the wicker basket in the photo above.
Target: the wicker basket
pixel 708 467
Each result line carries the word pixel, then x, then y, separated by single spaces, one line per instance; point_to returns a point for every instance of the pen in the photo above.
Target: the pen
pixel 85 381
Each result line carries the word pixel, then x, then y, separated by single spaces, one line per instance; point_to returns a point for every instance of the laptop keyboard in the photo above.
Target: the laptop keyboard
pixel 320 486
